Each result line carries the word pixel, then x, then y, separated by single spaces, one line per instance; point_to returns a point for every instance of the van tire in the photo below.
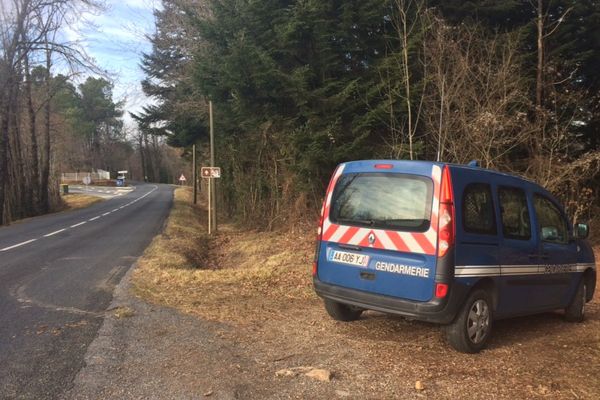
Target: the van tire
pixel 342 312
pixel 471 329
pixel 575 312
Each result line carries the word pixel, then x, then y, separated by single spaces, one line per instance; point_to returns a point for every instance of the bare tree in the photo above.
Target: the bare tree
pixel 406 26
pixel 475 97
pixel 28 29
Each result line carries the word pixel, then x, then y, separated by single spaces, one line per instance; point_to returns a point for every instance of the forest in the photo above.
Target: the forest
pixel 300 86
pixel 58 113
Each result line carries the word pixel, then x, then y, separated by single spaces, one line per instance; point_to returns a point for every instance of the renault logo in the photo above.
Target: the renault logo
pixel 371 238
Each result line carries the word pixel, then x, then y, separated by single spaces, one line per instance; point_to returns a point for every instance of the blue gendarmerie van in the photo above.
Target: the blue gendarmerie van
pixel 450 244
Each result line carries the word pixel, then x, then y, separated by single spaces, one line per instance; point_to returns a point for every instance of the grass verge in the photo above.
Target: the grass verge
pixel 227 277
pixel 259 284
pixel 74 201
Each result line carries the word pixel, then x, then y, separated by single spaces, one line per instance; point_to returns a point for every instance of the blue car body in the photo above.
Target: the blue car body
pixel 415 238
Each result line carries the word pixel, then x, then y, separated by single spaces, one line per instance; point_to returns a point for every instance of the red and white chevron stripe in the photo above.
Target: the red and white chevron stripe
pixel 413 242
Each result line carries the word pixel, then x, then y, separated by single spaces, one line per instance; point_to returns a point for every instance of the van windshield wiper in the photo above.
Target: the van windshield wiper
pixel 412 222
pixel 368 222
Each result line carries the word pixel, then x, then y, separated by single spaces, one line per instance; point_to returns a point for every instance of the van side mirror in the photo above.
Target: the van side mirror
pixel 581 231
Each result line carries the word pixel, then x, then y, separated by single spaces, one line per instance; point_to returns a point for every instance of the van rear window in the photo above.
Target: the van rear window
pixel 383 200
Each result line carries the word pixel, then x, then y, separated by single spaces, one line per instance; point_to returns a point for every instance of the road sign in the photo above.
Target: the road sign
pixel 210 172
pixel 87 180
pixel 122 172
pixel 182 178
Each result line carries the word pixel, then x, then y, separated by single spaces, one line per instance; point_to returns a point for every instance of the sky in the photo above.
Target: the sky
pixel 115 39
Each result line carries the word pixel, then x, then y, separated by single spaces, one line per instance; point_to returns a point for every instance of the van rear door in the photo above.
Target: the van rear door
pixel 379 231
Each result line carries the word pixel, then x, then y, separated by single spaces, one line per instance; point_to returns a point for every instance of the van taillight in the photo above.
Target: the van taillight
pixel 446 214
pixel 318 245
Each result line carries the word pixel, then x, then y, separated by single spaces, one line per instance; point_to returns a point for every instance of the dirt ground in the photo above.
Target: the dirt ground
pixel 254 289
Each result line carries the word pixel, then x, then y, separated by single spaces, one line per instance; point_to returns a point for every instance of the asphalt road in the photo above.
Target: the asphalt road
pixel 57 276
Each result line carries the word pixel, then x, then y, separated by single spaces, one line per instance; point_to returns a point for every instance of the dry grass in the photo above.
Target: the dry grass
pixel 259 284
pixel 183 245
pixel 226 277
pixel 74 201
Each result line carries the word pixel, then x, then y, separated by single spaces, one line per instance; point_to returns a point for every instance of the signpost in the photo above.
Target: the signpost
pixel 210 173
pixel 212 191
pixel 87 180
pixel 182 179
pixel 194 175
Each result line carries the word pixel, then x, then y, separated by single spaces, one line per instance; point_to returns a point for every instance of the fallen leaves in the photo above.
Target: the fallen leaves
pixel 123 312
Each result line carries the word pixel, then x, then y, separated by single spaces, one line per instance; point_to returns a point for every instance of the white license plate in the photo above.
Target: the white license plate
pixel 345 257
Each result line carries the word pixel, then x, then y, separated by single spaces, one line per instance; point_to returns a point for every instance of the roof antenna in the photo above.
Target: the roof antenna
pixel 473 163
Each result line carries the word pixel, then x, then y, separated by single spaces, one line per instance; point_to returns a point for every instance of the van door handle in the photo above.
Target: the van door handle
pixel 532 256
pixel 545 256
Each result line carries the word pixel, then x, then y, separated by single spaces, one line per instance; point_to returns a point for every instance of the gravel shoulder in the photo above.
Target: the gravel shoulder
pixel 145 351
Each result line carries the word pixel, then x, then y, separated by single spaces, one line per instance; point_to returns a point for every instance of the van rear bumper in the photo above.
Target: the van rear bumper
pixel 440 311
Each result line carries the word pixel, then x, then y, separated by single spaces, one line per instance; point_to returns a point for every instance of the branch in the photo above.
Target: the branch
pixel 560 20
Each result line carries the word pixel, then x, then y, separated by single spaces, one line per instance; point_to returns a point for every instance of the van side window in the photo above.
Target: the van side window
pixel 516 223
pixel 552 225
pixel 478 209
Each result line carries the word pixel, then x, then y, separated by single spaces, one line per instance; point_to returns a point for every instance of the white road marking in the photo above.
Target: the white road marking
pixel 95 218
pixel 106 213
pixel 18 245
pixel 79 224
pixel 116 209
pixel 55 232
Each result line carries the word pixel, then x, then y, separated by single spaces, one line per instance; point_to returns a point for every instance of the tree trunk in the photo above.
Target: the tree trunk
pixel 149 161
pixel 539 83
pixel 20 177
pixel 15 190
pixel 405 67
pixel 141 143
pixel 33 189
pixel 4 123
pixel 44 187
pixel 157 158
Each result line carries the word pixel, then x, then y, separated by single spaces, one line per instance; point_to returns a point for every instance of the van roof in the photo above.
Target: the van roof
pixel 454 166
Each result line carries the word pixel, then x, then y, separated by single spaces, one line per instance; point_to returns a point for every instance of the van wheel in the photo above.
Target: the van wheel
pixel 472 327
pixel 575 312
pixel 342 312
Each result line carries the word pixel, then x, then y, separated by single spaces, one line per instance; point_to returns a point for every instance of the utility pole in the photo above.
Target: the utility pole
pixel 212 193
pixel 194 177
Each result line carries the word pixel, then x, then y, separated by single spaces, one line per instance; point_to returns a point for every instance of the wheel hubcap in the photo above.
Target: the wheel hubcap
pixel 478 323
